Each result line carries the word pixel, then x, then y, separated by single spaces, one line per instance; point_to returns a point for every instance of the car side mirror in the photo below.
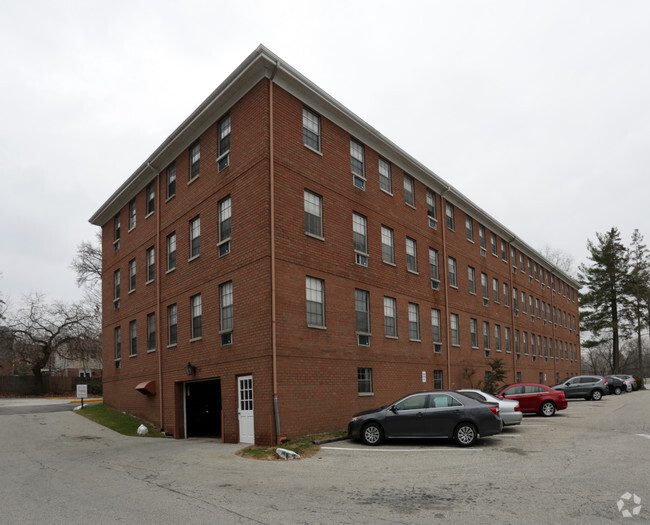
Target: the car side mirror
pixel 393 409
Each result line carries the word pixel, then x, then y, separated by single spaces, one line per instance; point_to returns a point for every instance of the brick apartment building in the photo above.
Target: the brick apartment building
pixel 277 265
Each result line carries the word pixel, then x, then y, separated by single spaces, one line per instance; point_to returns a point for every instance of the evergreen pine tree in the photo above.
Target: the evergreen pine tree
pixel 606 281
pixel 638 291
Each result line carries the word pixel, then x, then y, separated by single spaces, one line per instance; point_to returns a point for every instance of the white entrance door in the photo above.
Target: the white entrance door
pixel 246 418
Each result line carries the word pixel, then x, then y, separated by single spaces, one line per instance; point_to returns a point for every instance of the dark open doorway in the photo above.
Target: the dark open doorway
pixel 203 408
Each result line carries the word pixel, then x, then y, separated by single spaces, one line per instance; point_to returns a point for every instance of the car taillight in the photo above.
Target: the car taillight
pixel 517 409
pixel 495 410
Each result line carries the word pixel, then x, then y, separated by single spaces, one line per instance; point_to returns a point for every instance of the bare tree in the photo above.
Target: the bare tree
pixel 561 260
pixel 88 266
pixel 41 330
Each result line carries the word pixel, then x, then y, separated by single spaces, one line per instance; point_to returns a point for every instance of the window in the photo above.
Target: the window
pixel 196 315
pixel 385 179
pixel 437 380
pixel 497 337
pixel 171 251
pixel 132 214
pixel 313 214
pixel 132 275
pixel 151 264
pixel 414 322
pixel 116 231
pixel 484 289
pixel 532 346
pixel 195 237
pixel 434 269
pixel 449 213
pixel 118 347
pixel 523 302
pixel 436 330
pixel 411 255
pixel 357 164
pixel 471 277
pixel 431 209
pixel 522 266
pixel 390 317
pixel 151 332
pixel 481 238
pixel 172 325
pixel 506 295
pixel 452 272
pixel 195 159
pixel 223 160
pixel 171 180
pixel 362 316
pixel 493 244
pixel 409 190
pixel 507 338
pixel 495 290
pixel 517 343
pixel 310 129
pixel 515 300
pixel 486 338
pixel 473 331
pixel 133 335
pixel 453 325
pixel 151 198
pixel 504 251
pixel 360 239
pixel 387 249
pixel 525 342
pixel 364 380
pixel 116 288
pixel 469 228
pixel 315 302
pixel 226 308
pixel 224 226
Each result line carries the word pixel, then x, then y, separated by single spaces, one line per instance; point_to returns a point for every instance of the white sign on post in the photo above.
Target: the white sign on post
pixel 82 391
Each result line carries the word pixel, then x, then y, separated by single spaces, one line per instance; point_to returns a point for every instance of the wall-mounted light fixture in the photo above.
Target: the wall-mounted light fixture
pixel 190 369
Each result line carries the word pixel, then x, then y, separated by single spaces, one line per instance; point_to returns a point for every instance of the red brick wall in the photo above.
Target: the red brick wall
pixel 317 382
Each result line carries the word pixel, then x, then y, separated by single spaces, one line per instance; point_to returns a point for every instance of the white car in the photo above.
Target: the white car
pixel 508 408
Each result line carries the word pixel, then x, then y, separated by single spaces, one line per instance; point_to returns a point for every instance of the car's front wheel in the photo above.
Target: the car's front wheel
pixel 372 434
pixel 617 391
pixel 547 409
pixel 465 435
pixel 596 395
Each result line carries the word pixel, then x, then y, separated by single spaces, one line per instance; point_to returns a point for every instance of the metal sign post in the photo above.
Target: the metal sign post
pixel 82 393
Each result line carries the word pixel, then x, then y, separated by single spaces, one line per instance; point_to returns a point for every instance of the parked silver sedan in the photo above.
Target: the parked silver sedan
pixel 508 408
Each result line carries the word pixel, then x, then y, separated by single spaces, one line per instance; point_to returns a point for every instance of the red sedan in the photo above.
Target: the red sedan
pixel 535 398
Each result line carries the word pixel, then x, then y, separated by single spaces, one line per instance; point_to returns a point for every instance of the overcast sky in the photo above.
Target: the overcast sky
pixel 537 110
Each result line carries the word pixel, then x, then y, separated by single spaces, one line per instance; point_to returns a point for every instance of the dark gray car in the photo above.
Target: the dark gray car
pixel 428 415
pixel 588 387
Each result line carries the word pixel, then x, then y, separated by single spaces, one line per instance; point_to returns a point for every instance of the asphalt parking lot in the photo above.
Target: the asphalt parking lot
pixel 572 468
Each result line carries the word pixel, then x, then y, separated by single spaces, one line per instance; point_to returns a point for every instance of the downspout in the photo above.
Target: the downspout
pixel 445 265
pixel 512 313
pixel 158 318
pixel 556 360
pixel 276 410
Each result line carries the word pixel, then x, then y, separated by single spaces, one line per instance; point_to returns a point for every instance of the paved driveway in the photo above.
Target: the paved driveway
pixel 62 468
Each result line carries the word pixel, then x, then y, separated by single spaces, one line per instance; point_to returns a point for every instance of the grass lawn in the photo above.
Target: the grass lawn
pixel 117 421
